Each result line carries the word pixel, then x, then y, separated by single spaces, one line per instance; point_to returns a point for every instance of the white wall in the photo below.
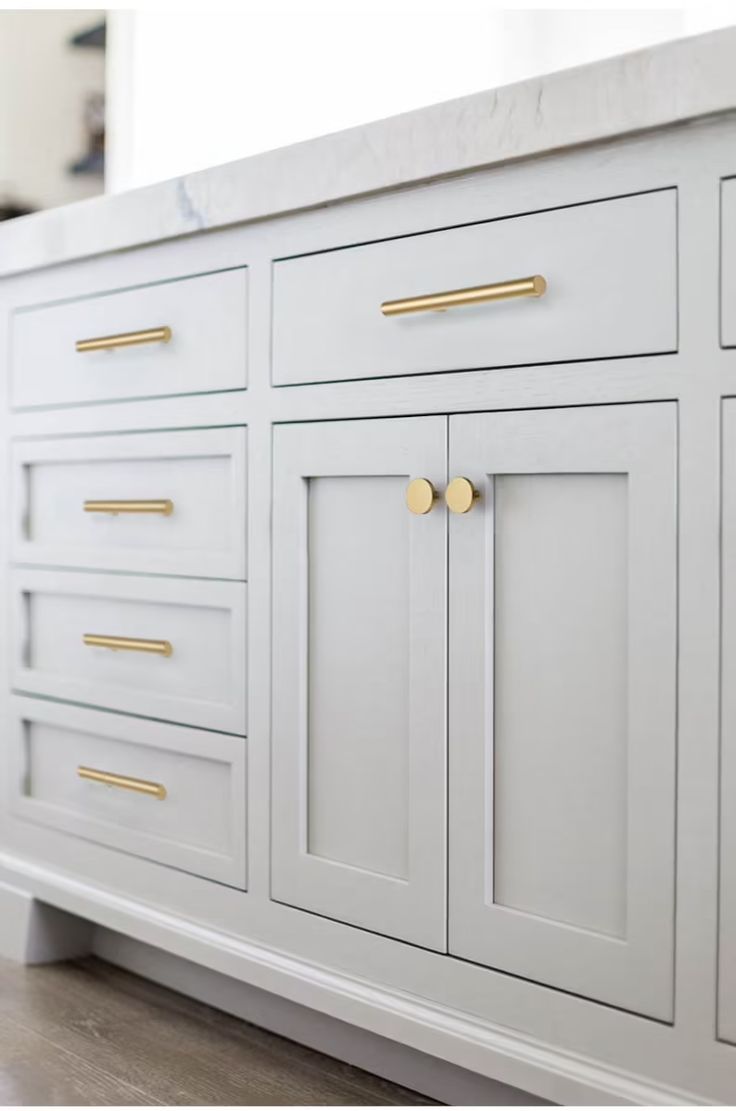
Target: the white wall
pixel 43 84
pixel 195 89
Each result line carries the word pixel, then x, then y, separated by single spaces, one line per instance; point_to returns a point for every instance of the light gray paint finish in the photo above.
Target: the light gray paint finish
pixel 207 316
pixel 32 932
pixel 199 826
pixel 390 1059
pixel 558 791
pixel 202 681
pixel 201 471
pixel 559 1045
pixel 359 568
pixel 601 299
pixel 728 262
pixel 359 676
pixel 559 841
pixel 727 936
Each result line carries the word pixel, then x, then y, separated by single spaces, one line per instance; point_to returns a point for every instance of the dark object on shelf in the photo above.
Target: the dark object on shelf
pixel 90 164
pixel 10 209
pixel 93 36
pixel 93 160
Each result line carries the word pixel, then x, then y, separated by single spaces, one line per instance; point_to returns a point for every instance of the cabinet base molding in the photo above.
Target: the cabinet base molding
pixel 397 1063
pixel 470 1044
pixel 32 932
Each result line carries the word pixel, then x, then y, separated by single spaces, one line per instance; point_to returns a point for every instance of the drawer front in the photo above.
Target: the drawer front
pixel 610 268
pixel 187 491
pixel 163 648
pixel 172 795
pixel 206 317
pixel 728 263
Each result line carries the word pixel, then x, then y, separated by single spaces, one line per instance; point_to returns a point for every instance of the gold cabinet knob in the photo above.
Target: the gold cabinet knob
pixel 460 495
pixel 420 495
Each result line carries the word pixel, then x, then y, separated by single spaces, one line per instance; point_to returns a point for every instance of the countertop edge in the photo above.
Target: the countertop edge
pixel 660 86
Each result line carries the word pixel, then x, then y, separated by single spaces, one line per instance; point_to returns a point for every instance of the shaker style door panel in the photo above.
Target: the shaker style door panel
pixel 727 940
pixel 359 676
pixel 562 697
pixel 597 259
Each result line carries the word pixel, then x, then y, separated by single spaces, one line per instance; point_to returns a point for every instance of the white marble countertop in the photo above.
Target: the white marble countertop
pixel 668 84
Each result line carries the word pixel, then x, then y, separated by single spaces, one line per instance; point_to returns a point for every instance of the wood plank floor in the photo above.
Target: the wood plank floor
pixel 86 1033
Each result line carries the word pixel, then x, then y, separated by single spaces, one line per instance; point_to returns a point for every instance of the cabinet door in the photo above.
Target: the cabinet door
pixel 359 720
pixel 727 943
pixel 562 699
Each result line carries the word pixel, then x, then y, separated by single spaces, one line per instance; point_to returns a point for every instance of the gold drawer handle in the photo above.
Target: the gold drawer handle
pixel 142 786
pixel 125 339
pixel 128 644
pixel 164 506
pixel 476 295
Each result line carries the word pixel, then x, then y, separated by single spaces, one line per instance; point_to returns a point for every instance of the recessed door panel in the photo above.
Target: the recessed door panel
pixel 560 679
pixel 359 579
pixel 359 680
pixel 562 699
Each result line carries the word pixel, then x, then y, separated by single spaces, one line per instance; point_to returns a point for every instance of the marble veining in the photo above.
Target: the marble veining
pixel 667 84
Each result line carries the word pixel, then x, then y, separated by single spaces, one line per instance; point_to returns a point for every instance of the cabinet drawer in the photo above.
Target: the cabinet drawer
pixel 611 276
pixel 182 657
pixel 177 795
pixel 206 350
pixel 728 263
pixel 182 495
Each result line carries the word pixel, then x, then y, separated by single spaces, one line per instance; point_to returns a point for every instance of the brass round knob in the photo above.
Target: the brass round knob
pixel 460 495
pixel 420 495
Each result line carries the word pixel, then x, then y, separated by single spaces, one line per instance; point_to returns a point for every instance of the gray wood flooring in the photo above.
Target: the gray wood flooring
pixel 83 1032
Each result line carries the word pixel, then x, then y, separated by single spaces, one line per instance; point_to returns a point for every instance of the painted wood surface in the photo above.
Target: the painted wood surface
pixel 563 700
pixel 601 302
pixel 197 825
pixel 203 474
pixel 537 1037
pixel 207 319
pixel 359 682
pixel 727 947
pixel 728 263
pixel 201 682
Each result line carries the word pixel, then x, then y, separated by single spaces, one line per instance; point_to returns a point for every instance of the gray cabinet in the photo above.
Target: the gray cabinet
pixel 562 699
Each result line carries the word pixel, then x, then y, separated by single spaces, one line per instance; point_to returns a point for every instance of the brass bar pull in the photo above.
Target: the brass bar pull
pixel 128 644
pixel 164 506
pixel 475 295
pixel 126 782
pixel 125 339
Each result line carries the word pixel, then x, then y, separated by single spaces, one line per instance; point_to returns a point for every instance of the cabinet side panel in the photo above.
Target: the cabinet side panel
pixel 728 263
pixel 727 939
